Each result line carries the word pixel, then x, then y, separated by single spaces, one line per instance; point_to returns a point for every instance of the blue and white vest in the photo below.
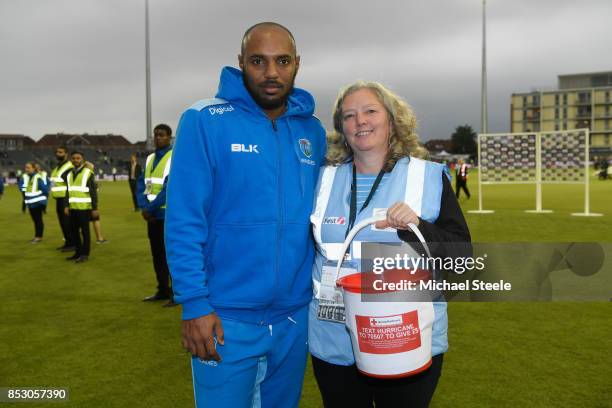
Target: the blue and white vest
pixel 34 196
pixel 414 181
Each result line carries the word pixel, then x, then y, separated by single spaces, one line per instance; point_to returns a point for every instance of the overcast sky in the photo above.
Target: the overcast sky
pixel 77 66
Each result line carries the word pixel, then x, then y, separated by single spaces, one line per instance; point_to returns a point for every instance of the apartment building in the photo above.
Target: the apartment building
pixel 581 101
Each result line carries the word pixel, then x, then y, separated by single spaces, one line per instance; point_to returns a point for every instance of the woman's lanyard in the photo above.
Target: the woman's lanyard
pixel 353 213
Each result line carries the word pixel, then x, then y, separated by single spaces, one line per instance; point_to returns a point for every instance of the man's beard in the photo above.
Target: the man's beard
pixel 60 158
pixel 263 101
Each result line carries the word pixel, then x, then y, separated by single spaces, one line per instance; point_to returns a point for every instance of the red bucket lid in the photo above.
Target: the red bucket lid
pixel 363 282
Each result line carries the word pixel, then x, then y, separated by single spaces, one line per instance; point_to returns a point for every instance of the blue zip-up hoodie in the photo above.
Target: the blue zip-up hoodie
pixel 239 197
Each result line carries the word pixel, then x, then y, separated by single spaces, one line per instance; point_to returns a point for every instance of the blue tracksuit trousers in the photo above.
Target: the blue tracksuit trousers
pixel 261 366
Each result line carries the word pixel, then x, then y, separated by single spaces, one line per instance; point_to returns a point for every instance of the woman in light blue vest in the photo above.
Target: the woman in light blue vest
pixel 375 165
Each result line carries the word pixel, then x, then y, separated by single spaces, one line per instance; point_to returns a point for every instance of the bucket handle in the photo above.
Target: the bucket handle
pixel 364 223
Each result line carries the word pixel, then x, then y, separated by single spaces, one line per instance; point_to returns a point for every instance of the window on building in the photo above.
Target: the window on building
pixel 556 126
pixel 557 99
pixel 565 112
pixel 564 125
pixel 524 101
pixel 565 99
pixel 536 100
pixel 556 113
pixel 607 96
pixel 583 113
pixel 584 97
pixel 599 80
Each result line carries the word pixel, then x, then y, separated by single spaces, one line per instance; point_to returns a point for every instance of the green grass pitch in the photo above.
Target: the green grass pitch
pixel 84 326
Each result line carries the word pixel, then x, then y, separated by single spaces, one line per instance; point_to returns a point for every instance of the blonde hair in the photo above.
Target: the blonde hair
pixel 403 140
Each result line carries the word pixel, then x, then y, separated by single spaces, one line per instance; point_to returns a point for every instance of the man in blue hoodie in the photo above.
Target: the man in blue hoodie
pixel 240 194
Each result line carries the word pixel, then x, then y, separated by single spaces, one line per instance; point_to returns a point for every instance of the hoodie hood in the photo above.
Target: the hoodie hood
pixel 232 89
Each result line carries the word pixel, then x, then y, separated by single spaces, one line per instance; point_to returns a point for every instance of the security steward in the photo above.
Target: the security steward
pixel 461 177
pixel 35 198
pixel 58 191
pixel 24 179
pixel 82 205
pixel 152 200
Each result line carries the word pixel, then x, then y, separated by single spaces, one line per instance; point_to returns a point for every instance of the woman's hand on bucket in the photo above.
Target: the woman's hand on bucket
pixel 201 334
pixel 399 215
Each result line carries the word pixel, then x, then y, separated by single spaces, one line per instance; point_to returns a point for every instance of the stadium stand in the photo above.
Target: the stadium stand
pixel 104 151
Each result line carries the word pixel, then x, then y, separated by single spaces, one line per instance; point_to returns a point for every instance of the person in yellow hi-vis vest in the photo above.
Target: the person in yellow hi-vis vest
pixel 82 205
pixel 59 191
pixel 42 172
pixel 35 198
pixel 23 184
pixel 152 200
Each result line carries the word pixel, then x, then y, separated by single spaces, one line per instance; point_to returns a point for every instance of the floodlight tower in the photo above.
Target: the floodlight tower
pixel 484 123
pixel 148 78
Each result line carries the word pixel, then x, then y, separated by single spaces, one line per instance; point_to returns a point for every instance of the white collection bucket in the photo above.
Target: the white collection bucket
pixel 390 339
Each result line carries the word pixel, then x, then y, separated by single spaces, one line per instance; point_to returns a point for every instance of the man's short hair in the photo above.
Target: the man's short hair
pixel 164 127
pixel 77 152
pixel 269 24
pixel 63 147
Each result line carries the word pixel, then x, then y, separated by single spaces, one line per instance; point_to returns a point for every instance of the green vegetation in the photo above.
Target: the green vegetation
pixel 84 326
